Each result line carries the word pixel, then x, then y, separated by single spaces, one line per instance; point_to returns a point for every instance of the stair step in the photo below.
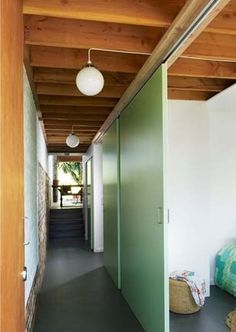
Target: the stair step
pixel 66 227
pixel 66 223
pixel 69 236
pixel 66 220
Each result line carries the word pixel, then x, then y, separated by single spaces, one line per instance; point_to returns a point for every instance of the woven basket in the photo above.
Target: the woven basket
pixel 181 299
pixel 231 320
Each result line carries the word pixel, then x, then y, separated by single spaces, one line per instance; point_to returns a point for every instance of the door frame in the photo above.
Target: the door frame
pixel 12 304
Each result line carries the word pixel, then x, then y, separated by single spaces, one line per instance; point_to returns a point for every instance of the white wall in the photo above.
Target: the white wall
pixel 188 187
pixel 35 151
pixel 42 148
pixel 30 186
pixel 98 197
pixel 202 181
pixel 222 119
pixel 95 151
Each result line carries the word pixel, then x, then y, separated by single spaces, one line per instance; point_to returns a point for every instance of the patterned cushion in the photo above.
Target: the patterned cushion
pixel 225 272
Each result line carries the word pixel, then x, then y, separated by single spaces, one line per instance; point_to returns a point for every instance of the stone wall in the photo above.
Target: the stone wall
pixel 43 213
pixel 43 217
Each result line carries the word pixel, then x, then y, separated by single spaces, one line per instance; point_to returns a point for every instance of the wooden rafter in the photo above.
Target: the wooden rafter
pixel 77 101
pixel 56 57
pixel 48 31
pixel 59 33
pixel 203 68
pixel 213 46
pixel 68 76
pixel 143 13
pixel 190 11
pixel 72 90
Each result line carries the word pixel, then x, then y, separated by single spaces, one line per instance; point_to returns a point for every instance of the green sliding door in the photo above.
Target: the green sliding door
pixel 89 200
pixel 144 276
pixel 111 200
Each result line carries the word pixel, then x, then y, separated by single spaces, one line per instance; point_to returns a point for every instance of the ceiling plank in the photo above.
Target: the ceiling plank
pixel 225 22
pixel 49 31
pixel 77 101
pixel 136 12
pixel 203 68
pixel 163 51
pixel 57 57
pixel 213 46
pixel 72 90
pixel 189 95
pixel 75 109
pixel 68 76
pixel 198 84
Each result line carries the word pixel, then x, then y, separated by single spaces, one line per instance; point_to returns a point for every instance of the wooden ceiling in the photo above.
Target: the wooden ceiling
pixel 58 34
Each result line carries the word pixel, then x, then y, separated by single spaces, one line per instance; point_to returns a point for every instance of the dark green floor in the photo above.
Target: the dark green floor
pixel 78 295
pixel 211 318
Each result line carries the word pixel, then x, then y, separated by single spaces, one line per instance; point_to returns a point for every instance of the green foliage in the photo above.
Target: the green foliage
pixel 74 168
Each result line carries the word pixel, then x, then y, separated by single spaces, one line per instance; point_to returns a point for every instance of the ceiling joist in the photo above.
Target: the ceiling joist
pixel 56 57
pixel 48 31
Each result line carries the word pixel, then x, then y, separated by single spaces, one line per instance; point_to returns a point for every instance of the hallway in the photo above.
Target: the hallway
pixel 78 295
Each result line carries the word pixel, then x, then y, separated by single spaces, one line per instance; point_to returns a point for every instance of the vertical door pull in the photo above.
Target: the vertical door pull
pixel 160 215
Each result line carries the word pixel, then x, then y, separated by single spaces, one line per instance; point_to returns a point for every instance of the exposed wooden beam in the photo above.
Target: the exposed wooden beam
pixel 72 90
pixel 59 116
pixel 189 95
pixel 61 140
pixel 198 84
pixel 29 73
pixel 65 131
pixel 188 14
pixel 30 76
pixel 141 12
pixel 146 13
pixel 60 148
pixel 213 46
pixel 60 135
pixel 56 57
pixel 56 149
pixel 69 158
pixel 49 31
pixel 77 101
pixel 71 122
pixel 203 68
pixel 68 76
pixel 89 110
pixel 66 126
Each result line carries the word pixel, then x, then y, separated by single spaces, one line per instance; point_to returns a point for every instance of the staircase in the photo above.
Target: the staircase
pixel 66 223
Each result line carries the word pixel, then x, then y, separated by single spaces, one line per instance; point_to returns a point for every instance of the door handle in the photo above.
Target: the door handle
pixel 24 274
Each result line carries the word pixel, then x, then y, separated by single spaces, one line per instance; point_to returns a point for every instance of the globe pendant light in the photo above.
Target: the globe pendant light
pixel 72 140
pixel 89 80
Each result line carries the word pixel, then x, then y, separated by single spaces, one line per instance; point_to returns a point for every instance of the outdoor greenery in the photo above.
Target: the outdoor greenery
pixel 73 168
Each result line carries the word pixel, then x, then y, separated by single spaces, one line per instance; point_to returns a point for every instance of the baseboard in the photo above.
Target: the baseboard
pixel 98 250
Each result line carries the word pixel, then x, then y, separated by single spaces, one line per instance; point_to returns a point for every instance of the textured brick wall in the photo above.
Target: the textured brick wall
pixel 43 213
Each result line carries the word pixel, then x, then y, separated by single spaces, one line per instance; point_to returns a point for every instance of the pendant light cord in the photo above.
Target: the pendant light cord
pixel 113 51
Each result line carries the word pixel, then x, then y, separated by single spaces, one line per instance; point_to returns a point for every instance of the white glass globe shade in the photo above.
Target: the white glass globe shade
pixel 72 140
pixel 89 81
